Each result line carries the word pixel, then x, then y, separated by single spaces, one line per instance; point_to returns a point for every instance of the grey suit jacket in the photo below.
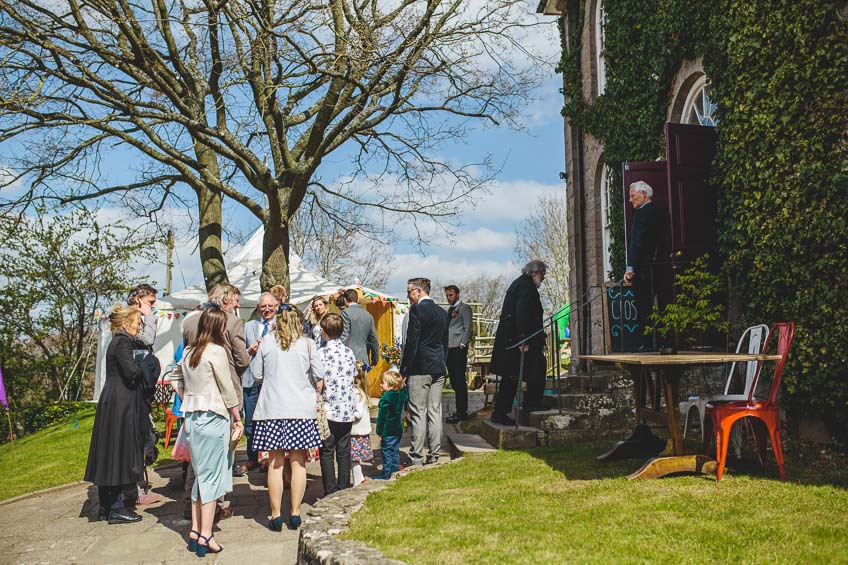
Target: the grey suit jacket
pixel 459 330
pixel 236 348
pixel 360 334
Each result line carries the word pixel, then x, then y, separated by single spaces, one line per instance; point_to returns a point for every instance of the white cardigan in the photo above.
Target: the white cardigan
pixel 289 378
pixel 208 386
pixel 362 424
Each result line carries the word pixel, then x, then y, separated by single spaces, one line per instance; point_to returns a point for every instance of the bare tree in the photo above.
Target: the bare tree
pixel 543 236
pixel 244 100
pixel 486 290
pixel 339 243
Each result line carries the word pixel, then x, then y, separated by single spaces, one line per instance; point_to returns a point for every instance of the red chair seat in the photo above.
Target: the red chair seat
pixel 722 415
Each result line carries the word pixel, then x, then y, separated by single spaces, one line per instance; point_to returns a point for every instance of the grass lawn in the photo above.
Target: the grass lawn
pixel 53 456
pixel 558 505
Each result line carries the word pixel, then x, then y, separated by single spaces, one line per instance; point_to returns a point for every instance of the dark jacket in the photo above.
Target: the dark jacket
pixel 644 236
pixel 521 316
pixel 115 455
pixel 425 350
pixel 390 412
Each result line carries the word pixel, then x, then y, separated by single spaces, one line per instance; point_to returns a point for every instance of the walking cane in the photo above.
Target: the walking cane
pixel 520 392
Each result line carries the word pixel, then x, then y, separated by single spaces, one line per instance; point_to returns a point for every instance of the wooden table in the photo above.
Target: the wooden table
pixel 657 377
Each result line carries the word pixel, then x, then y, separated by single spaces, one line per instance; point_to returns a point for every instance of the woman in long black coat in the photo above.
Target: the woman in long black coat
pixel 115 456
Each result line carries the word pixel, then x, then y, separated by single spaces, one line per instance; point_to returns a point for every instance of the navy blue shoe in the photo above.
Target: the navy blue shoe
pixel 294 522
pixel 276 524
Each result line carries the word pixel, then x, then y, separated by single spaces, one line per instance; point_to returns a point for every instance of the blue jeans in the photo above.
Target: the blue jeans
pixel 251 397
pixel 390 448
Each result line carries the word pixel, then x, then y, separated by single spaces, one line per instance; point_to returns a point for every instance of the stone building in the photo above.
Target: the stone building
pixel 590 191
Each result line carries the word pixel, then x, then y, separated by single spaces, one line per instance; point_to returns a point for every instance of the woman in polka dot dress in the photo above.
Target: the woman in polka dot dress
pixel 285 418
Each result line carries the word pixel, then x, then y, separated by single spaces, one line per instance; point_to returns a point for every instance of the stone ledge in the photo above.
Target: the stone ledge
pixel 508 437
pixel 330 516
pixel 467 444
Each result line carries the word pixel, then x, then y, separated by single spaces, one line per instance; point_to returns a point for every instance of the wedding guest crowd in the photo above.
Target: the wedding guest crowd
pixel 290 383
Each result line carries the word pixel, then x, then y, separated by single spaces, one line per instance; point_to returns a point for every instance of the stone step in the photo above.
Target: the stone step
pixel 467 444
pixel 580 383
pixel 510 437
pixel 576 401
pixel 549 420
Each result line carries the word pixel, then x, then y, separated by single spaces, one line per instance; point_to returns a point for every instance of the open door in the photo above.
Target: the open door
pixel 689 154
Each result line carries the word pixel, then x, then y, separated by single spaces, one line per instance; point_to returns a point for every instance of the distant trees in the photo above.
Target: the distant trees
pixel 544 235
pixel 58 272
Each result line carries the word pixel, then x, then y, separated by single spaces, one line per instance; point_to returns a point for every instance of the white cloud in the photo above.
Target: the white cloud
pixel 480 239
pixel 444 267
pixel 509 201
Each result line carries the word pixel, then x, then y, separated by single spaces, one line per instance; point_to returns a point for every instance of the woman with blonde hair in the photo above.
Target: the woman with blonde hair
pixel 318 308
pixel 285 416
pixel 212 422
pixel 116 453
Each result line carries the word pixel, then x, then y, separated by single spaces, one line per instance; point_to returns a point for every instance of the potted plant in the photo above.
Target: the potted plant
pixel 697 310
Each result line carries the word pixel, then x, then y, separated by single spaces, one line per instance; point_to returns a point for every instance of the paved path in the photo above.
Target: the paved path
pixel 62 526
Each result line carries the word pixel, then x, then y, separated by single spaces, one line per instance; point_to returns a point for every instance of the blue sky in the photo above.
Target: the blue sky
pixel 483 237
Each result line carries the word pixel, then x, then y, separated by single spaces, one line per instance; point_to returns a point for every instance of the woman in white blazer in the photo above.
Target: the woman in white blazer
pixel 285 417
pixel 212 420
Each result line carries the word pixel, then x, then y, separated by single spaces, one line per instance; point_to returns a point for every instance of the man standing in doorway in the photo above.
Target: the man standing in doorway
pixel 459 337
pixel 644 240
pixel 423 365
pixel 254 332
pixel 521 317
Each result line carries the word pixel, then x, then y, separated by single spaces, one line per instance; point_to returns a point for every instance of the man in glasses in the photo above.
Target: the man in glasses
pixel 254 331
pixel 423 364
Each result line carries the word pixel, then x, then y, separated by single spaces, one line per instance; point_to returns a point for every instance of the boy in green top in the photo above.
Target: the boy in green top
pixel 389 425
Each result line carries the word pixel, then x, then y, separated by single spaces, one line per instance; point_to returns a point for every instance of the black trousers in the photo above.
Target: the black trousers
pixel 457 364
pixel 107 495
pixel 534 376
pixel 643 291
pixel 336 446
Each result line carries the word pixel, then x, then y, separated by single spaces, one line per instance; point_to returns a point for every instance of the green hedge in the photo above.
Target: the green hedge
pixel 779 73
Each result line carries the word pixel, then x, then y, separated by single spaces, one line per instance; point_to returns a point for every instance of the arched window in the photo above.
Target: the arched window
pixel 600 65
pixel 699 108
pixel 606 217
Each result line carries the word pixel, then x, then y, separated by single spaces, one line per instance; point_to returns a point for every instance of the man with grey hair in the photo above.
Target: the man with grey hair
pixel 644 241
pixel 521 317
pixel 254 332
pixel 424 364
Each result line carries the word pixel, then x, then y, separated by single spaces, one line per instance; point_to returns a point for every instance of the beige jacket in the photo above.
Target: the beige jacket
pixel 208 386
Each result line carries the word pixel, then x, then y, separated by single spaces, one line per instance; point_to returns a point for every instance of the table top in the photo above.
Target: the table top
pixel 682 358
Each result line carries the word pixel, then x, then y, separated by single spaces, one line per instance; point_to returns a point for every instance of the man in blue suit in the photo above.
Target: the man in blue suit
pixel 423 364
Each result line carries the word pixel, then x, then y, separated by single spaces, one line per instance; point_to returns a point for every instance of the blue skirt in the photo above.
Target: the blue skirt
pixel 208 438
pixel 270 435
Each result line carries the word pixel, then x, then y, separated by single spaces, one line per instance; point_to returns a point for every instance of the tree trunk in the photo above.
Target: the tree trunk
pixel 211 214
pixel 275 248
pixel 209 233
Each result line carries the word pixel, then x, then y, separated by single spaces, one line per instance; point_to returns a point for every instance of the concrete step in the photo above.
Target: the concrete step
pixel 467 444
pixel 580 383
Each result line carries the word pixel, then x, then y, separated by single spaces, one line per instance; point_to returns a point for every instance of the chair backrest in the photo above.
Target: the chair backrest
pixel 756 337
pixel 785 332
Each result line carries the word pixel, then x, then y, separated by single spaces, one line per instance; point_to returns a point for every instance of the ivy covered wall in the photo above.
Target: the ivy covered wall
pixel 779 74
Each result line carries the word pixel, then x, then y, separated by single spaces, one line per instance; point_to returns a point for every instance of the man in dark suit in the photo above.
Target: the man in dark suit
pixel 459 336
pixel 521 316
pixel 423 364
pixel 644 240
pixel 358 330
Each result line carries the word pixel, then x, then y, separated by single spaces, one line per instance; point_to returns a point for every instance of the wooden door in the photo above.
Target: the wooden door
pixel 692 201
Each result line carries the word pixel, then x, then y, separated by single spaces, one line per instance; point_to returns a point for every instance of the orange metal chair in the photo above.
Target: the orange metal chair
pixel 170 420
pixel 723 415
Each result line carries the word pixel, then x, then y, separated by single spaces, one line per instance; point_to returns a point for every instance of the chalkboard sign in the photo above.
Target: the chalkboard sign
pixel 620 318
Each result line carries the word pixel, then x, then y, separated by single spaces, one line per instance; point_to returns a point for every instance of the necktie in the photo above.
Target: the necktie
pixel 450 310
pixel 265 328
